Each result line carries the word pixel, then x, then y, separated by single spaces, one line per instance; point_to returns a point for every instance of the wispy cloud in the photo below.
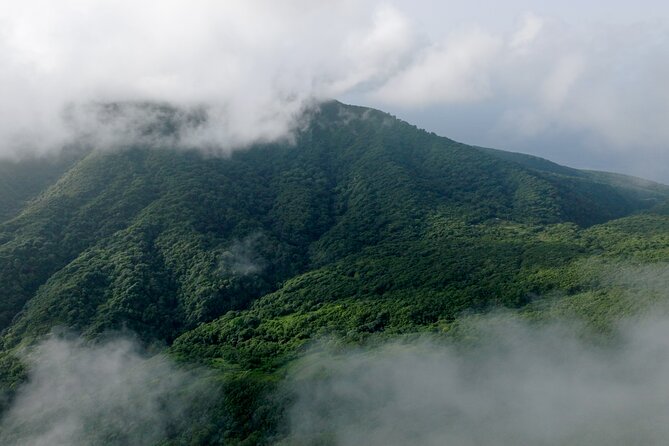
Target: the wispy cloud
pixel 516 384
pixel 253 65
pixel 589 370
pixel 607 80
pixel 109 393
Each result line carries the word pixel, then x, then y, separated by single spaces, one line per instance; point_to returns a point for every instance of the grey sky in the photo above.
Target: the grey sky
pixel 586 84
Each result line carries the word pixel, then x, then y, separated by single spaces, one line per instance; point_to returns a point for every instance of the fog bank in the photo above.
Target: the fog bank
pixel 80 394
pixel 515 383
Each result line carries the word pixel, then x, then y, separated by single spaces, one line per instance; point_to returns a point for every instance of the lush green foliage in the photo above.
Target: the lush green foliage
pixel 364 227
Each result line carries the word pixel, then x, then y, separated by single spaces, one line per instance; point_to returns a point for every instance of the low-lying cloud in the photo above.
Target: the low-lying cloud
pixel 109 393
pixel 242 257
pixel 517 383
pixel 252 67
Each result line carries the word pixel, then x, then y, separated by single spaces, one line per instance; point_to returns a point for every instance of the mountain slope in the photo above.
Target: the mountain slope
pixel 23 180
pixel 364 226
pixel 136 238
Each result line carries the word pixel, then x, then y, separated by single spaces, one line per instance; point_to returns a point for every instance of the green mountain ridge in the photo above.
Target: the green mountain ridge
pixel 364 227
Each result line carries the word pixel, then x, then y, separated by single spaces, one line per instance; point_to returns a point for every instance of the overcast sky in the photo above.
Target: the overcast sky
pixel 582 83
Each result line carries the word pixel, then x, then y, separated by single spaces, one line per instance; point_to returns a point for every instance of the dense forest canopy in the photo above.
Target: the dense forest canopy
pixel 361 229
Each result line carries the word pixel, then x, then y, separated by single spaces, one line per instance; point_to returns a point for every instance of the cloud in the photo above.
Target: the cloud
pixel 108 393
pixel 250 69
pixel 580 373
pixel 516 383
pixel 253 66
pixel 242 257
pixel 608 81
pixel 530 28
pixel 452 72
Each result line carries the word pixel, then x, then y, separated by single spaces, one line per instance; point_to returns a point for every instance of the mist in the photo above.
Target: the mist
pixel 512 382
pixel 242 257
pixel 107 393
pixel 251 68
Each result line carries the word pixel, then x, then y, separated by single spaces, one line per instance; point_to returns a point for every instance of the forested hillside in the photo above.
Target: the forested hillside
pixel 363 227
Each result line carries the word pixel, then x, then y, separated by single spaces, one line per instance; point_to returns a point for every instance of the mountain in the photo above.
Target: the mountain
pixel 22 180
pixel 364 226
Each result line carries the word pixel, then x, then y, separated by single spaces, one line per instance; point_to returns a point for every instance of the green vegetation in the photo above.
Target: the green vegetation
pixel 364 228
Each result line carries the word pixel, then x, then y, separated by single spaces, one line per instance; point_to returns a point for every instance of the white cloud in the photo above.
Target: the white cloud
pixel 456 71
pixel 558 85
pixel 607 82
pixel 517 383
pixel 79 394
pixel 529 30
pixel 255 65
